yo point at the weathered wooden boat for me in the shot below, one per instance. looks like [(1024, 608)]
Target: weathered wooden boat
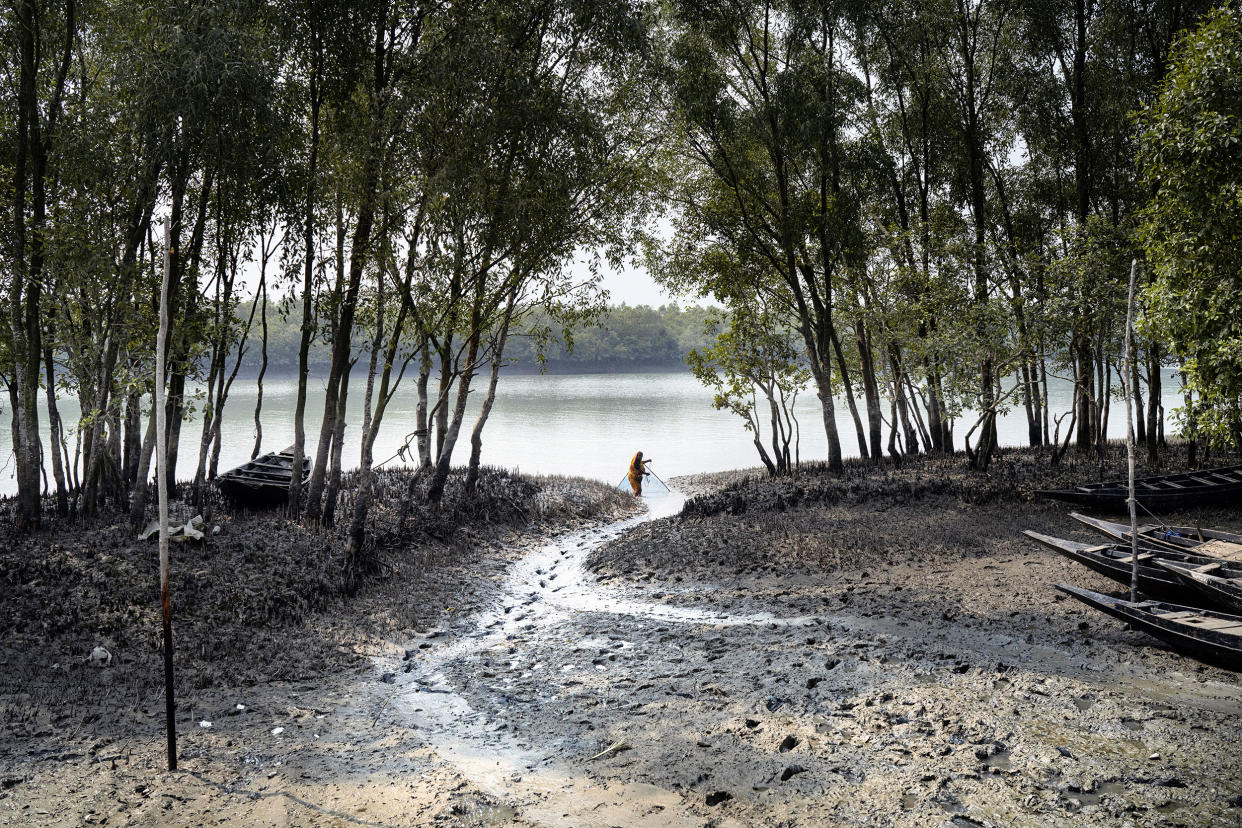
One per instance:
[(1212, 542), (1163, 492), (1220, 582), (264, 481), (1211, 636), (1113, 561)]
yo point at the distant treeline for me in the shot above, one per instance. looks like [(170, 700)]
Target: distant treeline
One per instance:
[(624, 338)]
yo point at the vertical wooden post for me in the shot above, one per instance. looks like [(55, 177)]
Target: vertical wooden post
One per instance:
[(161, 477), (1129, 394)]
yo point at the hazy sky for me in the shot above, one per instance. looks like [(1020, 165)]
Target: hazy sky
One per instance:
[(634, 286)]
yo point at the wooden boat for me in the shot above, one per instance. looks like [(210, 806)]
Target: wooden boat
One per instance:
[(1212, 542), (1113, 561), (264, 481), (1219, 582), (1211, 636), (1164, 492)]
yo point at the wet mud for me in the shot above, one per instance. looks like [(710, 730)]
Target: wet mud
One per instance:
[(901, 661)]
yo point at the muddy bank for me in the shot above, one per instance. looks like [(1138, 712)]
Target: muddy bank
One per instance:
[(865, 658), (943, 682), (260, 608)]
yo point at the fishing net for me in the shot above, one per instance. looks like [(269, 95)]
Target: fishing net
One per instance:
[(650, 484)]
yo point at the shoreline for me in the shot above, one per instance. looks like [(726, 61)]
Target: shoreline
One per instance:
[(931, 678)]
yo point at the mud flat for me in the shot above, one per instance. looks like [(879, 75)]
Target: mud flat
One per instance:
[(875, 649), (943, 682)]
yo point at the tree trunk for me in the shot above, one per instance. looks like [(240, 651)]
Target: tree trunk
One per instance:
[(849, 396), (422, 433), (308, 287), (258, 400), (133, 438), (441, 414), (1154, 400), (370, 428), (53, 417), (338, 448), (435, 492), (138, 499), (871, 391), (1084, 393), (476, 434), (209, 415)]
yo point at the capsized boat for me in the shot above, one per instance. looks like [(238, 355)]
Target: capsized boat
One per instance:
[(1114, 561), (264, 481), (1215, 543), (1211, 636), (1205, 487)]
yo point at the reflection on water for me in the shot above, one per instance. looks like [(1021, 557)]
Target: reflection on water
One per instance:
[(583, 424)]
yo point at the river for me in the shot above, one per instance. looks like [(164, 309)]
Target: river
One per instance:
[(577, 424)]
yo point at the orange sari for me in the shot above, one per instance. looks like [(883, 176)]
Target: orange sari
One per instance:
[(636, 473)]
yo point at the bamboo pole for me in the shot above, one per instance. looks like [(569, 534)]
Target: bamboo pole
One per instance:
[(1129, 380), (161, 456)]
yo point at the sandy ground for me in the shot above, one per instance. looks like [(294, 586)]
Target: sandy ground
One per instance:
[(874, 659)]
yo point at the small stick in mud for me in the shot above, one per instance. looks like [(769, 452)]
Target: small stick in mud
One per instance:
[(380, 712), (615, 747)]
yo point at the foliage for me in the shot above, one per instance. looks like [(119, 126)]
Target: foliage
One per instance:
[(752, 365), (1191, 158)]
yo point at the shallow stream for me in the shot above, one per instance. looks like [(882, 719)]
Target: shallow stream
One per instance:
[(544, 594)]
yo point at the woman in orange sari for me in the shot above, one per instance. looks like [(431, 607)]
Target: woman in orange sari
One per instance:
[(636, 474)]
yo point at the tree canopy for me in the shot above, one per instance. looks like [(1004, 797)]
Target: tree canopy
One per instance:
[(927, 206), (1190, 154)]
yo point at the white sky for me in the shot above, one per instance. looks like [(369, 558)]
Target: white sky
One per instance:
[(634, 286)]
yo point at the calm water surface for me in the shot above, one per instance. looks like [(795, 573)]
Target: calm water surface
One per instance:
[(585, 424)]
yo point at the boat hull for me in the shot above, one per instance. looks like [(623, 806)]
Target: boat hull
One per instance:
[(1213, 543), (1222, 586), (1209, 487), (1210, 636), (1113, 562), (263, 482)]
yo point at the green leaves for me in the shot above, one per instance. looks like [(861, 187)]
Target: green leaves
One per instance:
[(1190, 155)]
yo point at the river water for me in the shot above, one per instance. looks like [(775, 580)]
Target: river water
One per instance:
[(578, 424)]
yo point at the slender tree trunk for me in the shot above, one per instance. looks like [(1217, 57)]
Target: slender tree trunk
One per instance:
[(892, 431), (1154, 399), (441, 413), (476, 434), (871, 392), (1043, 391), (422, 433), (847, 387), (159, 412), (341, 361), (53, 417), (181, 348), (133, 437), (362, 497), (1084, 393), (823, 389), (209, 415), (308, 286), (338, 447), (258, 400), (138, 499), (435, 492)]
